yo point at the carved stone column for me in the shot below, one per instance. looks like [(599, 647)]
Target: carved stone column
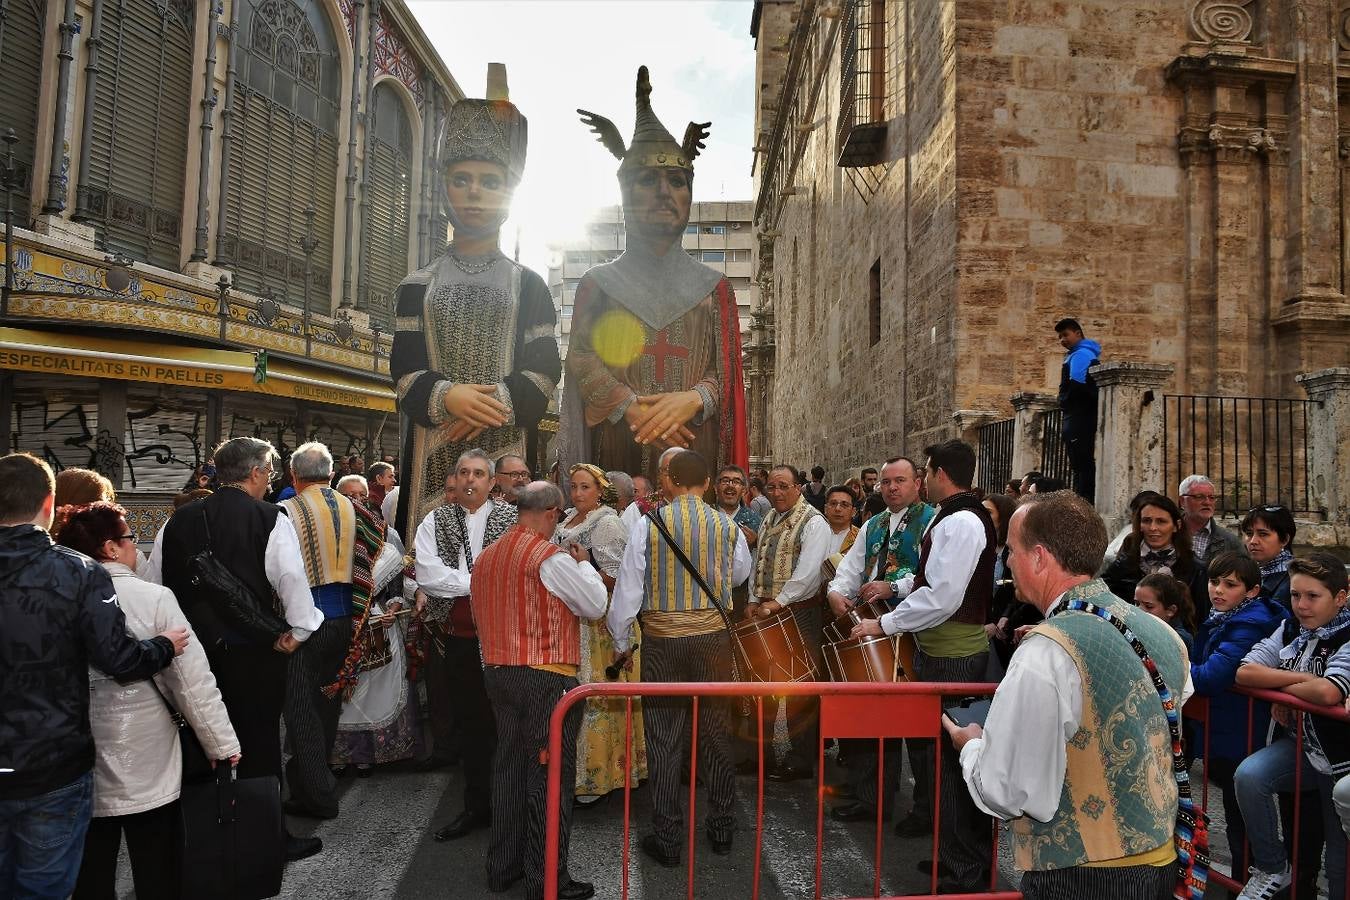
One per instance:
[(1029, 412), (1329, 442), (1129, 434)]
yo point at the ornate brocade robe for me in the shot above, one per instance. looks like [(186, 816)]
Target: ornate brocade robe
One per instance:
[(619, 350), (490, 327)]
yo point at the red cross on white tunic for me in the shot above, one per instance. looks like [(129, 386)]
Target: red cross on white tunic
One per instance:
[(659, 349)]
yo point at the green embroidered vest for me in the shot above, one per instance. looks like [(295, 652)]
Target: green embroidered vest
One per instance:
[(1120, 796), (902, 551)]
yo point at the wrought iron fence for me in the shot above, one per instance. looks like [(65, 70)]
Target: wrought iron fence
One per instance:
[(1254, 449), (1054, 452), (996, 452)]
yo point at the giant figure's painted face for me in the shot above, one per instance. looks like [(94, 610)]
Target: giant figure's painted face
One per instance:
[(479, 193), (656, 201)]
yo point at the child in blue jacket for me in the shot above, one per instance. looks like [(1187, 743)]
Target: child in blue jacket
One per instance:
[(1240, 617)]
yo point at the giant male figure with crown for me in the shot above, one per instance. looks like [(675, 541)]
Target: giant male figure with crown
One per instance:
[(655, 353)]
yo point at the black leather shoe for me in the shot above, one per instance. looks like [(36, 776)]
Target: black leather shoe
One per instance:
[(857, 812), (925, 868), (364, 771), (912, 826), (788, 773), (462, 824), (301, 811), (301, 847), (651, 846), (721, 847), (576, 890), (841, 791)]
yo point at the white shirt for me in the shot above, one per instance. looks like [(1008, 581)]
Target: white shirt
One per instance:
[(630, 514), (390, 504), (628, 586), (1017, 768), (805, 580), (448, 578), (957, 542), (836, 541), (850, 575), (285, 571), (576, 584)]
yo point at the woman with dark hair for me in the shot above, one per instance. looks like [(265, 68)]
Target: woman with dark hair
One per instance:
[(1269, 533), (1006, 612), (138, 769), (1158, 543)]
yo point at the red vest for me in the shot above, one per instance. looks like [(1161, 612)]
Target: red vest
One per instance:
[(519, 622)]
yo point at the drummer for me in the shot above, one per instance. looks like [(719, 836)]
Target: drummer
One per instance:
[(887, 549), (793, 541), (944, 605)]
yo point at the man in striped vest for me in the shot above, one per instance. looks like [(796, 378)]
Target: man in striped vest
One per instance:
[(527, 596), (332, 533), (686, 640), (792, 542)]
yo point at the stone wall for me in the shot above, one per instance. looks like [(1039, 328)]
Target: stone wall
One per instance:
[(1174, 179)]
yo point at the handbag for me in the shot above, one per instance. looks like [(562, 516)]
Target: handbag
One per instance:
[(234, 840), (196, 764), (1191, 832), (226, 604)]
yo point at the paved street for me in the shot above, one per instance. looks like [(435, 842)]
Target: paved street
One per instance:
[(381, 847)]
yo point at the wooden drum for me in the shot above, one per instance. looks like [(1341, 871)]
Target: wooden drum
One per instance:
[(870, 658), (840, 628), (772, 649)]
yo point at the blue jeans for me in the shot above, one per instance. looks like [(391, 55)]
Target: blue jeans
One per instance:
[(1259, 778), (42, 841)]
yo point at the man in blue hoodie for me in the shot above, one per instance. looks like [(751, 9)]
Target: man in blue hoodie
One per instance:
[(1078, 400)]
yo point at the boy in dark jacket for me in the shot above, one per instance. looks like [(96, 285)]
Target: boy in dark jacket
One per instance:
[(1078, 401), (58, 616), (1239, 619)]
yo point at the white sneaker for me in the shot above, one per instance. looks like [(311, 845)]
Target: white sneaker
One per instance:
[(1264, 885)]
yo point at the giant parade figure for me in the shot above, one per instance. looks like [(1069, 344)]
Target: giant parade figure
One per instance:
[(475, 361), (655, 353)]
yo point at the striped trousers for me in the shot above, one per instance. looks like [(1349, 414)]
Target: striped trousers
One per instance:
[(1077, 882), (702, 657), (965, 849), (522, 702), (311, 718)]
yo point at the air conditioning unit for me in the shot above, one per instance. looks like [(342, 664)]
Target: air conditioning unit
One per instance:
[(736, 226)]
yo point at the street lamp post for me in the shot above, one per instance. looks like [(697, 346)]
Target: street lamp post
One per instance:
[(10, 139), (307, 244), (223, 304)]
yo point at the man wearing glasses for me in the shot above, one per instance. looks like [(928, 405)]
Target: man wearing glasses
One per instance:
[(512, 475), (1208, 538)]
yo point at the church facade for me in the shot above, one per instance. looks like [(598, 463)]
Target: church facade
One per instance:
[(938, 183), (213, 203)]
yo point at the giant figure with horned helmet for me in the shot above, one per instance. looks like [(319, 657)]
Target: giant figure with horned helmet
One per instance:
[(655, 358)]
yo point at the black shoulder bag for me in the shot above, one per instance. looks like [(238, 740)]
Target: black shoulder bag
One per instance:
[(225, 603), (196, 764)]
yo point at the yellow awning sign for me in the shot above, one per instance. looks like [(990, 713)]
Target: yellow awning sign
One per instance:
[(27, 350)]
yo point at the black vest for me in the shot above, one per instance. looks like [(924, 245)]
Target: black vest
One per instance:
[(240, 527), (1332, 735), (974, 606)]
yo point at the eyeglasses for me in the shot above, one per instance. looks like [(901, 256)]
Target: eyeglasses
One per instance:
[(127, 537), (271, 473), (735, 481), (516, 476), (1203, 498)]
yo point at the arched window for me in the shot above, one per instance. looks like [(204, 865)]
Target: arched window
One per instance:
[(132, 185), (388, 201), (284, 153), (21, 62)]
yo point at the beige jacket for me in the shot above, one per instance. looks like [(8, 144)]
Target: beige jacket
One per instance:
[(138, 761)]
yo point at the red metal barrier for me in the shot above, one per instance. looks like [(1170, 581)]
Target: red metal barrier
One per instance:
[(847, 710), (1197, 710)]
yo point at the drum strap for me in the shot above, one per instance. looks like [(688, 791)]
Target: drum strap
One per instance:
[(655, 517)]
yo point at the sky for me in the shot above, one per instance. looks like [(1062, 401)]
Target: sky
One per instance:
[(561, 55)]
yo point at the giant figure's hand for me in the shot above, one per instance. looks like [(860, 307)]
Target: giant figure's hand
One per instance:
[(661, 416), (475, 404), (461, 431)]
